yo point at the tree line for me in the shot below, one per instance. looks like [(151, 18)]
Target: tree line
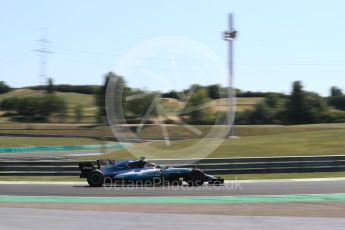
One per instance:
[(298, 107), (84, 89), (36, 108), (135, 110)]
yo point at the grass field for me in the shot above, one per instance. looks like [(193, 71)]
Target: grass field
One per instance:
[(325, 139), (155, 131), (20, 93), (44, 141), (259, 140), (283, 176), (267, 140)]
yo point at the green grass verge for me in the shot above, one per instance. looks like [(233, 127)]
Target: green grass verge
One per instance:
[(290, 144), (258, 140), (283, 141), (283, 176), (155, 131), (227, 177)]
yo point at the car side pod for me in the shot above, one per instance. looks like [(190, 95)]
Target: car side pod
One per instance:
[(216, 181)]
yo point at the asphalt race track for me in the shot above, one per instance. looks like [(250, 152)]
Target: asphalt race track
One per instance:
[(230, 188), (37, 219), (75, 205)]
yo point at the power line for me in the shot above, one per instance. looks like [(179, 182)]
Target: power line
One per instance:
[(43, 51)]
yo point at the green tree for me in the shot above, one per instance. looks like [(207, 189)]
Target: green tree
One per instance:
[(198, 105), (304, 107), (268, 111), (274, 100), (140, 105), (171, 94), (100, 96), (295, 108), (52, 104), (316, 107), (335, 91), (4, 88), (9, 104), (213, 91), (337, 102), (41, 107), (50, 86), (337, 98), (28, 107), (262, 114), (78, 113)]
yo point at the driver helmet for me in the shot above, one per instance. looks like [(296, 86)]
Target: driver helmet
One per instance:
[(150, 165)]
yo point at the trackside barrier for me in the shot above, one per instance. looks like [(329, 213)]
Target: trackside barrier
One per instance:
[(255, 165)]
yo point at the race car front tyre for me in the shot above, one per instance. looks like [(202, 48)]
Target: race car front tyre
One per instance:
[(95, 178), (195, 178)]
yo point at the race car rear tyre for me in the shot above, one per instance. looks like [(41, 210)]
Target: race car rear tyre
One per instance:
[(195, 178), (95, 178)]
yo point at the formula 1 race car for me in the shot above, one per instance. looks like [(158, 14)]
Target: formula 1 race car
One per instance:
[(124, 171)]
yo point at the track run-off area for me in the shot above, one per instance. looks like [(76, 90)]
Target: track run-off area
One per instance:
[(231, 191), (263, 204)]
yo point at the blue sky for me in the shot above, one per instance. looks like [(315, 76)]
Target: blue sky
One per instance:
[(279, 41)]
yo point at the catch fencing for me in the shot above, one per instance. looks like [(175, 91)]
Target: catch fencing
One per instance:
[(217, 166)]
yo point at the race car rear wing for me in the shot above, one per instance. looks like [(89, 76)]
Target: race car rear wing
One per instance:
[(86, 167)]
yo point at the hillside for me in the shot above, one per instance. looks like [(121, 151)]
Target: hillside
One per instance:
[(72, 99), (90, 109), (242, 103)]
